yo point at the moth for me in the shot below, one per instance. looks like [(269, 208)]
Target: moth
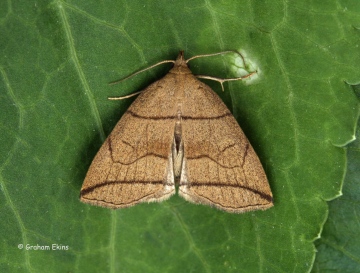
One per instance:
[(178, 135)]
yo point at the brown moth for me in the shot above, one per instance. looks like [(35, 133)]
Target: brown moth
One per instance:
[(178, 132)]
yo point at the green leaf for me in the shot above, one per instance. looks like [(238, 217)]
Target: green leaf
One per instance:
[(338, 246), (56, 60)]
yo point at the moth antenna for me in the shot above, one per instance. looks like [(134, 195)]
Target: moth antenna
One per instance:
[(221, 81), (132, 75), (215, 54), (125, 97), (142, 70)]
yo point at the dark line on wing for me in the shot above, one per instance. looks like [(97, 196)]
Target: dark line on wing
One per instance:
[(219, 184), (206, 156), (212, 203), (127, 143), (119, 204), (245, 154), (227, 147), (173, 117), (90, 189), (110, 148), (138, 158)]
